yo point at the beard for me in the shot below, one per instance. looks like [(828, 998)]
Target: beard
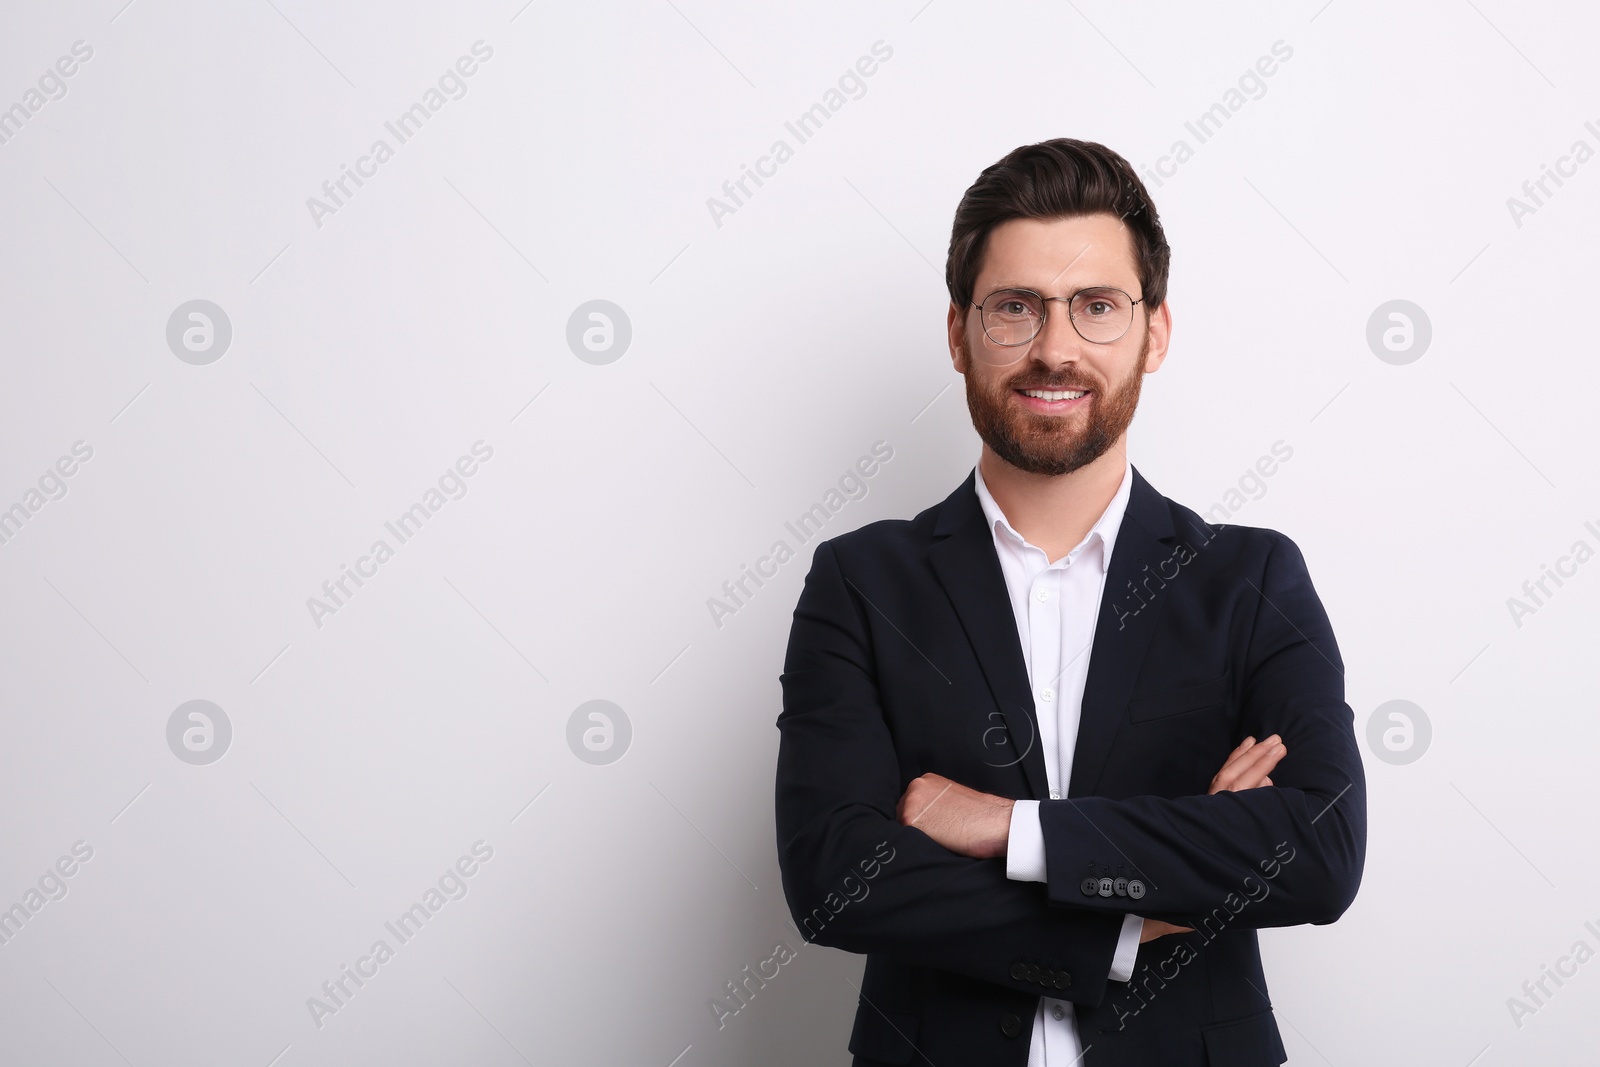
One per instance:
[(1052, 444)]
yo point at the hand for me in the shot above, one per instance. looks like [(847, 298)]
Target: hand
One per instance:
[(1248, 765), (1154, 928), (963, 820)]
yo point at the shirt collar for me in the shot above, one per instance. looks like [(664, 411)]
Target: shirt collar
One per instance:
[(1105, 528)]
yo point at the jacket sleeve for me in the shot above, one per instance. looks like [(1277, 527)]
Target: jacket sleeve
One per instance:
[(854, 877), (1280, 855)]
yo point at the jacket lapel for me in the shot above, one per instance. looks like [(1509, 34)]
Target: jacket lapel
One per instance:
[(1130, 604), (963, 556)]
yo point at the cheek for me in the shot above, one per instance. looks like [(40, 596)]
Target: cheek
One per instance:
[(981, 377), (1124, 371)]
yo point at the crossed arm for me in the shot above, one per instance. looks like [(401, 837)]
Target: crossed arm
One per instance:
[(970, 823), (943, 900)]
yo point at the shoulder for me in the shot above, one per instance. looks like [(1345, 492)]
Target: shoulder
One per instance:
[(1231, 546), (881, 541)]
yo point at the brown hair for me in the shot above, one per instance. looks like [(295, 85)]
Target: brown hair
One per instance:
[(1055, 179)]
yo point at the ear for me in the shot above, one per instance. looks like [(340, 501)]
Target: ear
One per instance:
[(956, 327), (1160, 337)]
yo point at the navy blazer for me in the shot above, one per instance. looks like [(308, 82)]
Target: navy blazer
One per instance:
[(904, 658)]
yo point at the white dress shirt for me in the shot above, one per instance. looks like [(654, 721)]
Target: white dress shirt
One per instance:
[(1056, 606)]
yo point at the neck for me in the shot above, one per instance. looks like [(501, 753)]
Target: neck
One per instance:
[(1055, 511)]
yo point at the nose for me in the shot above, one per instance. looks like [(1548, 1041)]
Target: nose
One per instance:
[(1057, 342)]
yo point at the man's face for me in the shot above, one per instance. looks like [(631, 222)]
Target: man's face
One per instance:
[(1056, 258)]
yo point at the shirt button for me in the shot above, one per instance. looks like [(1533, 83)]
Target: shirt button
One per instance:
[(1042, 595), (1047, 694), (1059, 1012), (1055, 794)]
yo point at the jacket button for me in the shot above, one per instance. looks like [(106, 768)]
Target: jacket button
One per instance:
[(1136, 889), (1063, 979), (1090, 886), (1010, 1025), (1019, 971)]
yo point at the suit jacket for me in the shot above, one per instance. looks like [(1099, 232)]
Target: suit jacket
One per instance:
[(904, 658)]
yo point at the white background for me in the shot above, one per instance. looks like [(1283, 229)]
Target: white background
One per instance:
[(767, 354)]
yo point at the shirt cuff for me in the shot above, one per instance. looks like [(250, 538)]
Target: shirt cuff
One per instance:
[(1127, 948), (1025, 843)]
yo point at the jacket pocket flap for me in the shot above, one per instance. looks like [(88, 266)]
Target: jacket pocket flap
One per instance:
[(1177, 701), (889, 1036), (1249, 1042)]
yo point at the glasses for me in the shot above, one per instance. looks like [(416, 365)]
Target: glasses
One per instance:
[(1013, 317)]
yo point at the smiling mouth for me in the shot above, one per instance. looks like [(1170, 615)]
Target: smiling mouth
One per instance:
[(1054, 394)]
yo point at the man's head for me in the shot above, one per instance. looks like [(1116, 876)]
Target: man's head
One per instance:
[(1056, 218)]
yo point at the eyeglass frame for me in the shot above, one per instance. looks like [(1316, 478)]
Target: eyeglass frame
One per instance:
[(1044, 313)]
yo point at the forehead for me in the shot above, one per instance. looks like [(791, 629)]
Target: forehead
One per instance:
[(1059, 253)]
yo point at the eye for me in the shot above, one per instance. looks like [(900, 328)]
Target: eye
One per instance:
[(1100, 304), (1013, 304)]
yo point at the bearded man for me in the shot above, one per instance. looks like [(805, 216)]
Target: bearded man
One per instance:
[(1061, 746)]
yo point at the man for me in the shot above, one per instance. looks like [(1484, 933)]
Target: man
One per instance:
[(1053, 750)]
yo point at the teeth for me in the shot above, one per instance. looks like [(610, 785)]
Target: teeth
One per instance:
[(1054, 394)]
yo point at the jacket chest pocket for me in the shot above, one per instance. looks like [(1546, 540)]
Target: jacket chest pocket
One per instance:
[(1199, 696)]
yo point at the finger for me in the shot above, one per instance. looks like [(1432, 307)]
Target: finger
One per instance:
[(1256, 776), (1259, 749), (1240, 764), (1248, 770), (1262, 758), (1246, 747), (1255, 765), (1266, 781), (1233, 757)]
